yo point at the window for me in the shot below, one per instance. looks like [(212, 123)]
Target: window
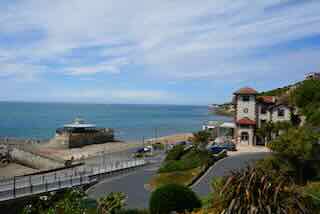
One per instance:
[(263, 122), (280, 112), (245, 98), (244, 136), (245, 110), (263, 110)]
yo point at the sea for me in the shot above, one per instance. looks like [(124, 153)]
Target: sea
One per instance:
[(130, 122)]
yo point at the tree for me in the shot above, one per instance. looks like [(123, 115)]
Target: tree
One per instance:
[(112, 203), (300, 147), (307, 99), (200, 139), (173, 197)]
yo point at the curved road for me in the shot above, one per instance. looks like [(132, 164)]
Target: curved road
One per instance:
[(223, 168), (133, 183)]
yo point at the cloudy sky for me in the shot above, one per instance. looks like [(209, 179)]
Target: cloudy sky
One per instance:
[(153, 51)]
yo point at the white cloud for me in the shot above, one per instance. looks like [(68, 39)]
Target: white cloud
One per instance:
[(183, 39), (112, 95), (112, 67)]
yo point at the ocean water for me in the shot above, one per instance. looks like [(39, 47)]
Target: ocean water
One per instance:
[(130, 122)]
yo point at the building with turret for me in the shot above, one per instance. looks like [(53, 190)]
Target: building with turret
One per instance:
[(253, 111)]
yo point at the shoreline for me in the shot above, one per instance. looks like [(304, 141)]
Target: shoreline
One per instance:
[(79, 154)]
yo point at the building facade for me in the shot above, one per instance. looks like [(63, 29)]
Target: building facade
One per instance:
[(253, 111)]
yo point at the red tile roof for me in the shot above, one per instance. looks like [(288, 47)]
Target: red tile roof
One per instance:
[(267, 99), (246, 90), (246, 121)]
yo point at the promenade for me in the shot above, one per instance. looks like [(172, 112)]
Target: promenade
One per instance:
[(23, 186)]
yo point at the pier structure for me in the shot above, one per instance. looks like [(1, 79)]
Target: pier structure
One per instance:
[(79, 134)]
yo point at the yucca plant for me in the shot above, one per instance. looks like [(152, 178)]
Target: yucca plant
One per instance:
[(253, 191)]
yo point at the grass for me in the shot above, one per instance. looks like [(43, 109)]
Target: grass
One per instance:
[(177, 177), (187, 161), (183, 167)]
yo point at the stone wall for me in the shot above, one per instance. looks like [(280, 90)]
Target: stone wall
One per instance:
[(33, 160), (75, 140)]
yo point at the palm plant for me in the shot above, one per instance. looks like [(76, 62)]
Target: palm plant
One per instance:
[(254, 191), (200, 139)]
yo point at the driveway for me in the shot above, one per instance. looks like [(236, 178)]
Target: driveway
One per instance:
[(132, 184)]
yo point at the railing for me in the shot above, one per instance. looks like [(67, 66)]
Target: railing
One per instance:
[(17, 187)]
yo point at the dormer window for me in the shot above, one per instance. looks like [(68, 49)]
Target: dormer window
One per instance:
[(245, 98), (280, 112)]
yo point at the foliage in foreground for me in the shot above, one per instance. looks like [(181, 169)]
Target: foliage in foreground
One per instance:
[(300, 148), (173, 197), (71, 202), (312, 190), (254, 191), (112, 203)]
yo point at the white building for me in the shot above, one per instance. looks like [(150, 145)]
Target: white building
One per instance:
[(252, 111)]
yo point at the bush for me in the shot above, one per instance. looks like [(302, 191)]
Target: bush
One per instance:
[(301, 149), (173, 197), (192, 159), (175, 153), (112, 203)]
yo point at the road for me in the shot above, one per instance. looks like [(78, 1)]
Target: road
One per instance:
[(223, 168), (132, 184)]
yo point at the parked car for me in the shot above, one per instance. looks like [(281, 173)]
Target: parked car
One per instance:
[(228, 146), (216, 149), (144, 149)]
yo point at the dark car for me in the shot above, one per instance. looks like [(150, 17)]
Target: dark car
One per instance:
[(140, 150), (228, 146), (216, 149)]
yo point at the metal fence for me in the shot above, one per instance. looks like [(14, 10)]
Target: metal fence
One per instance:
[(17, 187)]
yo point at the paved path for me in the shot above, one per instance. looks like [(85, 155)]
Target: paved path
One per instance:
[(223, 168), (138, 197), (131, 183)]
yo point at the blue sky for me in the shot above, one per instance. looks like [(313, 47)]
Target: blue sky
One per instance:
[(157, 52)]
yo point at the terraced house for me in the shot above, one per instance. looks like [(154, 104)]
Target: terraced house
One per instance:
[(252, 111)]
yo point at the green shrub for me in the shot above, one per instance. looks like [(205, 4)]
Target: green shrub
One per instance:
[(192, 159), (112, 203), (133, 211), (173, 197), (301, 149), (175, 153), (158, 146), (276, 166)]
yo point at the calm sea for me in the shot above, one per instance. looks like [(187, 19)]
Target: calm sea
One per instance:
[(130, 122)]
